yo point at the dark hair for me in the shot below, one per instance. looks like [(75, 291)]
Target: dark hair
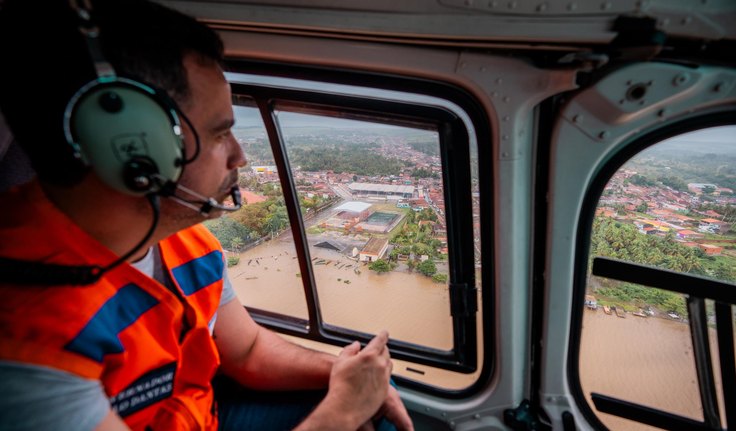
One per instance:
[(41, 72)]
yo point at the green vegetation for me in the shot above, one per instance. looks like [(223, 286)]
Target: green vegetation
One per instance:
[(231, 234), (713, 163), (232, 261), (440, 278), (430, 148), (380, 266), (263, 218), (623, 241), (427, 268), (357, 160), (642, 296), (416, 238), (424, 173)]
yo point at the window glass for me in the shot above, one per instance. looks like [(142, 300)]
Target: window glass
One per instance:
[(671, 206), (386, 266), (262, 261), (372, 202)]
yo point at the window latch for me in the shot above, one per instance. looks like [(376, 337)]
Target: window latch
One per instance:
[(463, 300)]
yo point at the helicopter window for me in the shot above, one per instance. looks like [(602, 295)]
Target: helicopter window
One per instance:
[(354, 224), (657, 327)]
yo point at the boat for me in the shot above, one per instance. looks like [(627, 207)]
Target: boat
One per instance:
[(640, 313)]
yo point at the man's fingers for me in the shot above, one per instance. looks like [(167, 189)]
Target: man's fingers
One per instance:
[(378, 343), (351, 349)]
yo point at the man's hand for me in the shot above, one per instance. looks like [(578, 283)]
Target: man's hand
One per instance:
[(359, 391), (360, 378)]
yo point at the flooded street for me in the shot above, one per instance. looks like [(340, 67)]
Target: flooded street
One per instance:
[(409, 305)]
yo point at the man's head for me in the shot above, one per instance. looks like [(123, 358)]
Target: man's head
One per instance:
[(142, 41)]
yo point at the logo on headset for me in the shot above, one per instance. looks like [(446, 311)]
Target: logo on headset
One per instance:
[(129, 145)]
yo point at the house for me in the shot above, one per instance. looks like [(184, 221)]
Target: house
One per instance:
[(711, 250), (712, 225), (688, 234), (353, 210), (373, 250)]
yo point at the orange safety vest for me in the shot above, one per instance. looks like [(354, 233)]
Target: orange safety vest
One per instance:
[(151, 348)]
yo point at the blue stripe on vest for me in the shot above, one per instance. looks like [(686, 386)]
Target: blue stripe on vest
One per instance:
[(200, 272), (100, 335)]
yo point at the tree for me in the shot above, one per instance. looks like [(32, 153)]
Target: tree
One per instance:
[(427, 268), (643, 207), (227, 230), (380, 266)]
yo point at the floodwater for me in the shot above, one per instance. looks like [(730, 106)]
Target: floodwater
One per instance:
[(409, 305), (643, 360), (647, 361)]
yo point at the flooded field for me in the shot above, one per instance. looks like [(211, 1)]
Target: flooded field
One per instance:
[(410, 306), (648, 361)]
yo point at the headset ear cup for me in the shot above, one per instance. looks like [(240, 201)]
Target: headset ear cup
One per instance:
[(128, 133), (139, 174)]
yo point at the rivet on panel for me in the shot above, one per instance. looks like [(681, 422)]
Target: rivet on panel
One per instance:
[(504, 154), (606, 5), (463, 65), (664, 22), (483, 69), (452, 424), (622, 101), (687, 20), (642, 102), (492, 4), (476, 416), (572, 6), (512, 5), (468, 2), (506, 118), (662, 112), (542, 7), (505, 137), (604, 134), (499, 80), (680, 79), (718, 88), (629, 82), (577, 119), (494, 94), (506, 99)]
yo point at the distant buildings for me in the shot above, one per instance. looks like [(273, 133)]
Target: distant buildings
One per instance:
[(264, 169), (353, 210), (383, 190)]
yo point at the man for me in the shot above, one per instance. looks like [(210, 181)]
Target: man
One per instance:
[(135, 342)]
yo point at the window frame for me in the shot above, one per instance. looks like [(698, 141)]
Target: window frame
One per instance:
[(458, 199), (603, 266)]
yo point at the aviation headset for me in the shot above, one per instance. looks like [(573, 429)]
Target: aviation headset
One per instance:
[(128, 132)]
